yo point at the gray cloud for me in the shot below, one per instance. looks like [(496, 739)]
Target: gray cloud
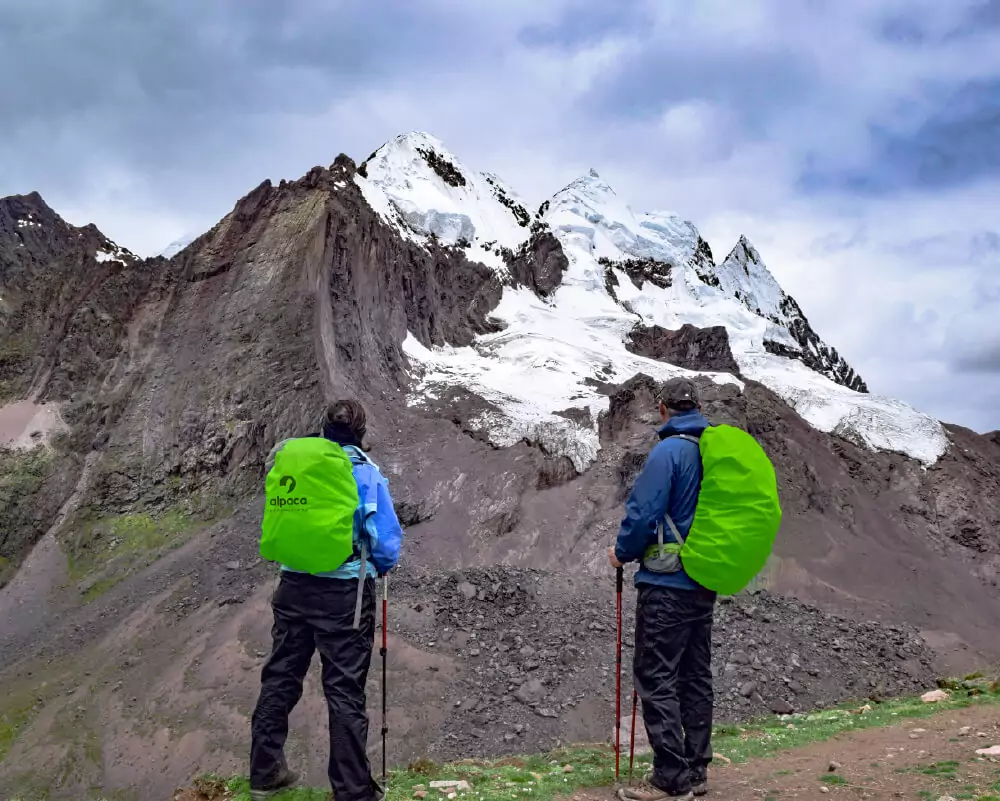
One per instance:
[(986, 360), (984, 16), (976, 248), (171, 90), (956, 144), (584, 22), (751, 82)]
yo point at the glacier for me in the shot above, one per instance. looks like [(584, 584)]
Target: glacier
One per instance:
[(552, 351)]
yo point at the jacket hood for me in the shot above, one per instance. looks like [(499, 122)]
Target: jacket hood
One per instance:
[(693, 422)]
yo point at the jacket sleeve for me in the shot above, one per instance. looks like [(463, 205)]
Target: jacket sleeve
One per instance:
[(647, 504), (382, 525)]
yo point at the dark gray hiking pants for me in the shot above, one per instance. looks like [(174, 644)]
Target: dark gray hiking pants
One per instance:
[(673, 676), (316, 614)]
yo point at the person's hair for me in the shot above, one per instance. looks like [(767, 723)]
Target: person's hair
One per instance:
[(346, 414)]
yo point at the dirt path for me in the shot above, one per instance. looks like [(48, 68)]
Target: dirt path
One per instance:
[(930, 759)]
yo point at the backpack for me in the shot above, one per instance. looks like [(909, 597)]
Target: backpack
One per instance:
[(737, 514), (311, 500)]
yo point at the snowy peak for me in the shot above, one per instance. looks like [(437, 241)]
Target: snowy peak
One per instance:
[(178, 245), (425, 191), (744, 276), (591, 213)]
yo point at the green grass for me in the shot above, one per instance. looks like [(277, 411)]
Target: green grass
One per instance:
[(962, 781), (542, 777), (13, 719), (106, 548), (22, 474)]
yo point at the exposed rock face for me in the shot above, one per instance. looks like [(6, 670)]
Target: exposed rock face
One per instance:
[(657, 273), (688, 347), (814, 354), (183, 373), (540, 264), (66, 297)]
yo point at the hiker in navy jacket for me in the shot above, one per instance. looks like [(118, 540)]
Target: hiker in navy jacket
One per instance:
[(673, 630), (316, 613)]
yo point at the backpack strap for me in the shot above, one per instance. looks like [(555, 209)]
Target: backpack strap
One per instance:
[(673, 530), (668, 519), (361, 582), (357, 456)]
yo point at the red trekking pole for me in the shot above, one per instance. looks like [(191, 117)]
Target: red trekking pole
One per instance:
[(618, 677)]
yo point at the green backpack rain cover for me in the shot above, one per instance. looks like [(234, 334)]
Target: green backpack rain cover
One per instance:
[(311, 498), (737, 515)]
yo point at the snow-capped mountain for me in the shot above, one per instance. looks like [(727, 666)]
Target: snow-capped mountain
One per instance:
[(415, 182), (178, 245), (623, 269)]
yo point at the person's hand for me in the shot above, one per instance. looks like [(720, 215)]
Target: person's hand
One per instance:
[(612, 558)]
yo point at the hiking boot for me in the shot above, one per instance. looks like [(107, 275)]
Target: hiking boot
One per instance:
[(286, 778), (650, 792)]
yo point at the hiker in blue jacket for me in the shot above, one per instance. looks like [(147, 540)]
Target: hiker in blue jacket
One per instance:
[(316, 613), (673, 630)]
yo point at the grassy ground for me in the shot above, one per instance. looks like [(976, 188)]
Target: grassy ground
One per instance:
[(559, 773), (106, 548), (21, 475)]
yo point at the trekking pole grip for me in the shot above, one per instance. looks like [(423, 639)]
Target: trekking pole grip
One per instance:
[(618, 578)]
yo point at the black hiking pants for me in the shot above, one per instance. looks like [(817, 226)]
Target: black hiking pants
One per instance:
[(673, 676), (312, 613)]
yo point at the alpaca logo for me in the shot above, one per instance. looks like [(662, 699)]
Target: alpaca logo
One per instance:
[(283, 502)]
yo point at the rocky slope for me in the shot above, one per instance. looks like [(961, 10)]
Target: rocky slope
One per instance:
[(508, 373)]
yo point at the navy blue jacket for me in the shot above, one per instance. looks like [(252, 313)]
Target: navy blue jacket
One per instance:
[(668, 484)]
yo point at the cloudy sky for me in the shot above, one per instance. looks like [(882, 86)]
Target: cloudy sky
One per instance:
[(855, 142)]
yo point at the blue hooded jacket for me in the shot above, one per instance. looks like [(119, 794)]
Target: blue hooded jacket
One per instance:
[(668, 484)]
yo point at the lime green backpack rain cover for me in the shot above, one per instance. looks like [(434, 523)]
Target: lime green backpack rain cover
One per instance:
[(311, 498), (738, 512)]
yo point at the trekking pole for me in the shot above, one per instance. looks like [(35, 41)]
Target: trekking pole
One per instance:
[(631, 743), (385, 679), (618, 677)]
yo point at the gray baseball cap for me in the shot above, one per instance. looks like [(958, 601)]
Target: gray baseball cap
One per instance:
[(677, 391)]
